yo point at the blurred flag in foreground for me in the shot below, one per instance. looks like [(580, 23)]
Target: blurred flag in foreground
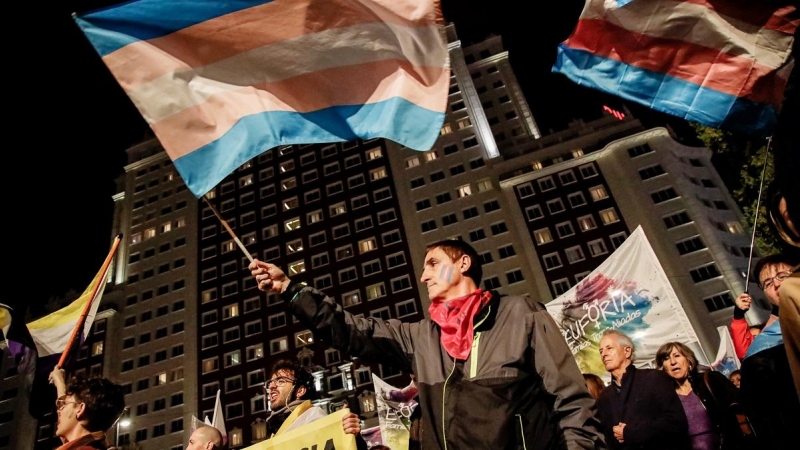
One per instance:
[(220, 82), (58, 335), (722, 64), (726, 360)]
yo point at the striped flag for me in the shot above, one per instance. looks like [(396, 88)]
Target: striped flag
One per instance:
[(220, 82), (722, 64), (57, 335)]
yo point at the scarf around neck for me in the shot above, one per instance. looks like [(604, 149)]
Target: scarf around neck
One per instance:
[(454, 317)]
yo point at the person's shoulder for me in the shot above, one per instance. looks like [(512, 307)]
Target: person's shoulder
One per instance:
[(520, 303)]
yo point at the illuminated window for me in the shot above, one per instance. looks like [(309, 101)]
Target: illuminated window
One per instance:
[(303, 338), (543, 236)]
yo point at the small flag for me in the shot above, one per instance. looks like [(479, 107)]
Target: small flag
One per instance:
[(218, 421), (220, 82), (721, 64), (726, 360)]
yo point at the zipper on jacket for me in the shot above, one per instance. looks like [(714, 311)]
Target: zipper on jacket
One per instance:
[(473, 361), (444, 409), (521, 431)]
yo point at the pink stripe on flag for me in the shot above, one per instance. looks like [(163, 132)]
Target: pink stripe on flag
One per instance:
[(735, 75), (202, 124), (237, 33)]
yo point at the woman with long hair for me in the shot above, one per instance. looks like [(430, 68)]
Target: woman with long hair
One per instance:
[(710, 400)]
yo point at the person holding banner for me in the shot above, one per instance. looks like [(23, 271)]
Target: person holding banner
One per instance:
[(85, 409), (639, 409), (290, 390), (493, 372)]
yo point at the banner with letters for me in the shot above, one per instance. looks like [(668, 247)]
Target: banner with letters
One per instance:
[(323, 434), (629, 292)]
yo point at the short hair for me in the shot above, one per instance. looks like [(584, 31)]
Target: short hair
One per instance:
[(622, 339), (735, 372), (772, 260), (455, 248), (302, 376), (211, 433), (104, 400), (663, 352)]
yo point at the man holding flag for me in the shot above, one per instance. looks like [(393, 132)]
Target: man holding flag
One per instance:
[(86, 408)]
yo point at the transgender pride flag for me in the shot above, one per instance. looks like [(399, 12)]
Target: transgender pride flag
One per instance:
[(220, 82), (719, 63)]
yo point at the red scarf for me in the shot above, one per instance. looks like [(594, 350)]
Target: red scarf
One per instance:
[(455, 317)]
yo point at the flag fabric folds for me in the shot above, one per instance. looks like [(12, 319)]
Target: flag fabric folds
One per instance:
[(58, 335), (56, 332), (220, 82), (722, 64)]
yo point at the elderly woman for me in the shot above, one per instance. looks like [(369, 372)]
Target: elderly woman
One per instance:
[(709, 399)]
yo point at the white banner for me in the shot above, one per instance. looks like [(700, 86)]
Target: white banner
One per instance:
[(630, 292)]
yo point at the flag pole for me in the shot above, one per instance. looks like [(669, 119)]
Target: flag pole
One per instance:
[(82, 320), (755, 218), (230, 231)]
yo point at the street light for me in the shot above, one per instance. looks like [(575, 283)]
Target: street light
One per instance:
[(123, 422)]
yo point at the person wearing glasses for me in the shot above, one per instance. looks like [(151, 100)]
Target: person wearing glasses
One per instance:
[(767, 387), (85, 409), (290, 391)]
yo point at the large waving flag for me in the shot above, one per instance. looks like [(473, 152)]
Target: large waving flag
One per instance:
[(723, 64), (57, 335), (220, 82)]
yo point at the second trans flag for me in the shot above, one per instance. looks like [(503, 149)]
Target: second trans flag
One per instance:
[(723, 64), (220, 82)]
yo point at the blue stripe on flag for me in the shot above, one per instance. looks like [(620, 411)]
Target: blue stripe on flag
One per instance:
[(205, 167), (116, 26), (665, 93)]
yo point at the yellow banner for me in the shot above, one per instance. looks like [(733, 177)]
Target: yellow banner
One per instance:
[(322, 434)]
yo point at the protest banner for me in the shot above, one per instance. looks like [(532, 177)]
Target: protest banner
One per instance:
[(323, 434), (395, 406), (629, 292)]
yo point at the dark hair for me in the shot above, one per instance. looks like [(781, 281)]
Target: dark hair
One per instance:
[(455, 248), (735, 372), (663, 352), (302, 377), (772, 260), (103, 398)]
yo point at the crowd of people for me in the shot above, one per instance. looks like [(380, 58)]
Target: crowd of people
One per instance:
[(482, 386)]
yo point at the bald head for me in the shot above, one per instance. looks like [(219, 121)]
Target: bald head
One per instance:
[(205, 438)]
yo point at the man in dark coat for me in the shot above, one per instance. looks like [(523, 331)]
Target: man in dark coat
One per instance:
[(639, 409)]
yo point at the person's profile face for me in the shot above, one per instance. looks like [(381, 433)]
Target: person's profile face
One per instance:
[(736, 379), (612, 354), (441, 276)]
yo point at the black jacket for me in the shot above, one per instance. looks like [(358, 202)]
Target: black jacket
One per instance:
[(650, 408), (519, 388)]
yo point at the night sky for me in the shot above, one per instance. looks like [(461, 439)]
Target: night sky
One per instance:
[(67, 143)]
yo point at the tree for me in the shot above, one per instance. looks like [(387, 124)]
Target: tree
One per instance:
[(740, 163)]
